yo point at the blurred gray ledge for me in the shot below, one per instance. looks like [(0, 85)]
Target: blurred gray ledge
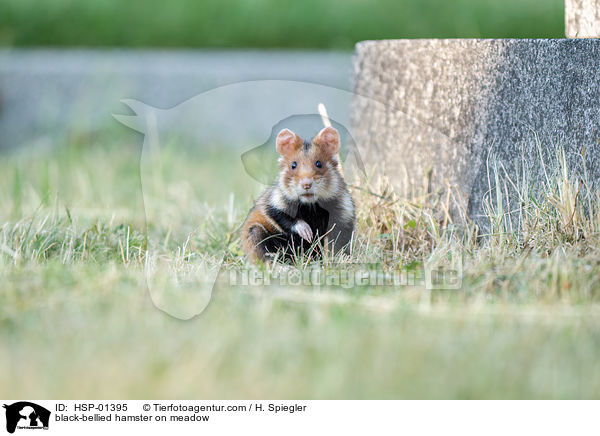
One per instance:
[(476, 98), (49, 96)]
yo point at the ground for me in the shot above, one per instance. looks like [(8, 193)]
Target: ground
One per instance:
[(77, 320)]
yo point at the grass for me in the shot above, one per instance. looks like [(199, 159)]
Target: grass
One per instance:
[(75, 310), (269, 24)]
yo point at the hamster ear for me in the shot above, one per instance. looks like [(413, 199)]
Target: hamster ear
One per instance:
[(328, 139), (287, 142)]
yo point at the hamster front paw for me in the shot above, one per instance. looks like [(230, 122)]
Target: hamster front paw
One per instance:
[(303, 229)]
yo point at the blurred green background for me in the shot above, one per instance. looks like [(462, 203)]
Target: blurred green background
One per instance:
[(268, 23)]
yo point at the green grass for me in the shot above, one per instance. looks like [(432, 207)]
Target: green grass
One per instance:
[(76, 312), (269, 23)]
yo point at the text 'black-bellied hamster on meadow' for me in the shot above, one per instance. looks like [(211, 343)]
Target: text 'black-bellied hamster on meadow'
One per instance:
[(309, 202)]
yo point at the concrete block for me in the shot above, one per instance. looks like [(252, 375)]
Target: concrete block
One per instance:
[(450, 104)]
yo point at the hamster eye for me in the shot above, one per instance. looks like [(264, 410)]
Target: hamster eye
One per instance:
[(318, 164), (294, 165)]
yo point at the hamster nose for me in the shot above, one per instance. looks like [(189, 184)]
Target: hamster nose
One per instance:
[(306, 184)]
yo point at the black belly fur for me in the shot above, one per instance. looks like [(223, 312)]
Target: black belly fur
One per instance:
[(314, 215)]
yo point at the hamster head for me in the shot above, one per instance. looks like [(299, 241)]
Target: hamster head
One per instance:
[(309, 171)]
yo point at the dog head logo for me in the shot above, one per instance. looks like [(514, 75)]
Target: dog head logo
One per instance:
[(26, 415)]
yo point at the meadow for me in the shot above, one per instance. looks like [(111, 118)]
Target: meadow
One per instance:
[(77, 320), (335, 24)]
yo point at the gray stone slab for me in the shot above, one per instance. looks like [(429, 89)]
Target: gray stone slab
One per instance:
[(582, 18), (518, 101)]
